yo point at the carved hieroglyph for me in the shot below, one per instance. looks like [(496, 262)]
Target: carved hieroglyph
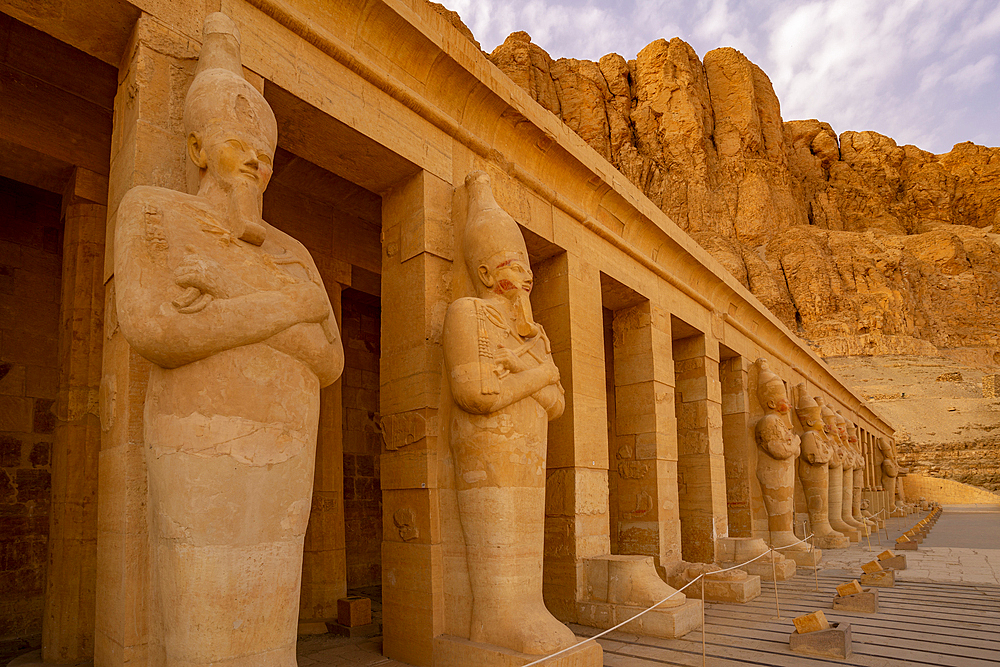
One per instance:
[(813, 467), (506, 389), (777, 451), (238, 325)]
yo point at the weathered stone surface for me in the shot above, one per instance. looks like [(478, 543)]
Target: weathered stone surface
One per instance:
[(864, 601), (833, 642), (861, 245)]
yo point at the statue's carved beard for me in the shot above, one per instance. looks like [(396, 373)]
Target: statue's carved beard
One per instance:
[(245, 214), (524, 323)]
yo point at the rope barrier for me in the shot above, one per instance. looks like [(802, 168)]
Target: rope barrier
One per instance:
[(649, 609)]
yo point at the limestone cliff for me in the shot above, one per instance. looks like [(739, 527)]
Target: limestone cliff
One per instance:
[(859, 245)]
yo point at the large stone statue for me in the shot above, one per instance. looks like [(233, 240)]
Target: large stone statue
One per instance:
[(778, 449), (506, 389), (813, 466), (847, 487), (890, 473), (837, 455), (859, 476), (239, 328)]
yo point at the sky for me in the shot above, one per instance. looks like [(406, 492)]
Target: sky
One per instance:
[(924, 72)]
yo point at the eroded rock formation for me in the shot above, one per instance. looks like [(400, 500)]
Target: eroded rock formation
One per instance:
[(858, 244)]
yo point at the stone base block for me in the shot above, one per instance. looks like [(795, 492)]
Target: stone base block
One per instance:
[(804, 558), (865, 602), (34, 659), (883, 579), (898, 514), (369, 630), (831, 542), (834, 642), (669, 623), (312, 628), (783, 569), (906, 546), (897, 562), (457, 652), (727, 591)]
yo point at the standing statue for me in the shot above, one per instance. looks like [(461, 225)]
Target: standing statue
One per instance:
[(859, 476), (506, 389), (837, 455), (238, 326), (890, 471), (814, 459), (850, 463), (778, 448)]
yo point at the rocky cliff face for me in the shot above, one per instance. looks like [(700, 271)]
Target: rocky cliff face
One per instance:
[(859, 245)]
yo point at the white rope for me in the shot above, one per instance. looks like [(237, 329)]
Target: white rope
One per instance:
[(644, 611)]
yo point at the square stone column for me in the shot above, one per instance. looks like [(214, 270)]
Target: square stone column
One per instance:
[(738, 445), (416, 291), (324, 560), (566, 301), (643, 454), (68, 621), (148, 148), (701, 468)]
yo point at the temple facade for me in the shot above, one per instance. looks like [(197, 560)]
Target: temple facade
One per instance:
[(383, 110)]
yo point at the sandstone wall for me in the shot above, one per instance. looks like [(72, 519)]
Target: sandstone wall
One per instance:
[(947, 491), (30, 265), (858, 244)]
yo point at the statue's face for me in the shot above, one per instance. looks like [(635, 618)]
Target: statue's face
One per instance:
[(511, 278), (780, 405), (233, 157)]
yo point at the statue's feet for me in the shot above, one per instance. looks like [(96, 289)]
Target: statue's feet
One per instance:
[(786, 541), (524, 628)]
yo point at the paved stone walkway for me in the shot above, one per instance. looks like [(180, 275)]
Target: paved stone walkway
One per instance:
[(977, 562)]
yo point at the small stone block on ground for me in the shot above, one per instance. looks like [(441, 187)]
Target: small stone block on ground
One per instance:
[(906, 546), (870, 567), (883, 579), (369, 630), (850, 588), (865, 602), (354, 611), (452, 651), (897, 562), (834, 642), (813, 622)]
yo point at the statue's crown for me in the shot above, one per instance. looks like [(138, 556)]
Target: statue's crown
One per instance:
[(491, 235)]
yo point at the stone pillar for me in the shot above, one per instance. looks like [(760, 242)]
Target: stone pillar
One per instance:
[(566, 300), (68, 621), (738, 445), (324, 560), (148, 148), (644, 463), (701, 470), (416, 289)]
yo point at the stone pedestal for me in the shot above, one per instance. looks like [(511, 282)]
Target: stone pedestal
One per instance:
[(834, 642), (865, 602), (804, 558), (831, 542), (669, 623), (895, 562), (783, 568), (906, 546), (456, 652), (740, 591), (620, 587)]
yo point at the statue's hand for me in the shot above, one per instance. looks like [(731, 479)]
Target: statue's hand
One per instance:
[(551, 370), (510, 361), (310, 300), (207, 276)]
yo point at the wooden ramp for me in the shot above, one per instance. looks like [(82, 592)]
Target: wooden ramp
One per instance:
[(919, 623)]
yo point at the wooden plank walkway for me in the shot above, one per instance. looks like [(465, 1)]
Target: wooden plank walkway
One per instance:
[(919, 623)]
